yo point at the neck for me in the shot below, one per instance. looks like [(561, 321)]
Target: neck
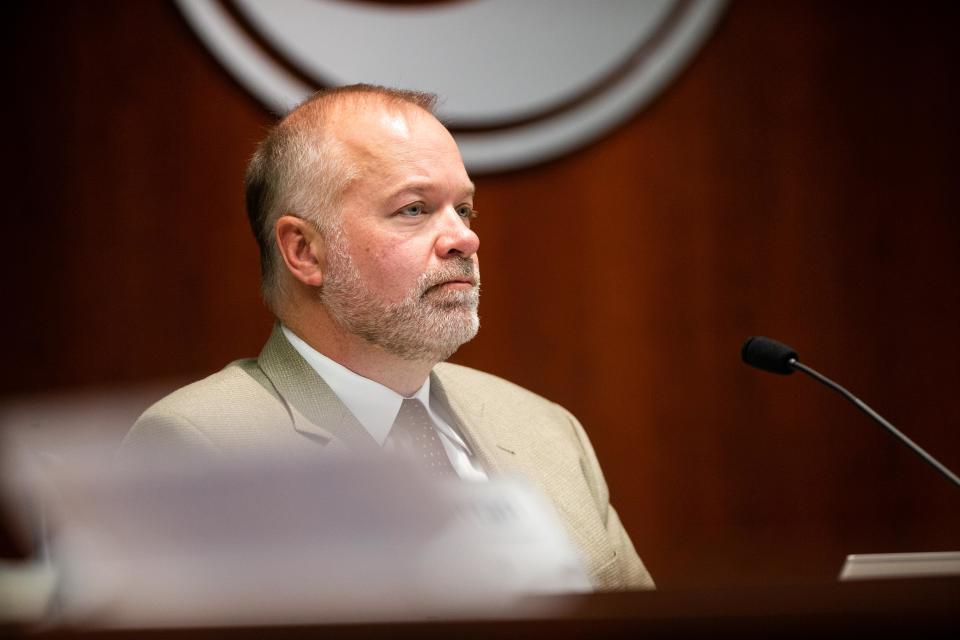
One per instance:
[(315, 327)]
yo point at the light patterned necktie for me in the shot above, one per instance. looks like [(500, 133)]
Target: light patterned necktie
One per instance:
[(413, 431)]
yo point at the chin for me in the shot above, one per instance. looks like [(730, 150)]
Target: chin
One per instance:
[(443, 343)]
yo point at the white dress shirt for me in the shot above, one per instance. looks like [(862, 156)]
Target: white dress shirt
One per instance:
[(376, 406)]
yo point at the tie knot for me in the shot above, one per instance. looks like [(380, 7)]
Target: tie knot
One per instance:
[(412, 407)]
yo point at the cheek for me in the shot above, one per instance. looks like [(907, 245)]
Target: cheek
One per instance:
[(390, 270)]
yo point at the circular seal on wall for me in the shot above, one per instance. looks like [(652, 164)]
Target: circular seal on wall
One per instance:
[(520, 82)]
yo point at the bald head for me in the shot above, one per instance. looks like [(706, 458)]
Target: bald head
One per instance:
[(311, 157)]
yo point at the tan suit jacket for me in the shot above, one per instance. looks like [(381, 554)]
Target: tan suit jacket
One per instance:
[(278, 399)]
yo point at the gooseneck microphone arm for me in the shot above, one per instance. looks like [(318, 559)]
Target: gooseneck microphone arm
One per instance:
[(776, 357), (860, 404)]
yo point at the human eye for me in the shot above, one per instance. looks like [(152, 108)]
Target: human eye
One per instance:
[(467, 212), (412, 210)]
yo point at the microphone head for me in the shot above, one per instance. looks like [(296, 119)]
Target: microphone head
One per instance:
[(769, 355)]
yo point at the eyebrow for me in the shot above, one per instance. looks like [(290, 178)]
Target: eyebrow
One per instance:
[(422, 187)]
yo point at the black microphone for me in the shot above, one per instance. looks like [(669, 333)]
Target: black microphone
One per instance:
[(776, 357), (769, 355)]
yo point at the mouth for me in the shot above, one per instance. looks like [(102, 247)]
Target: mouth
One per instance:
[(459, 283), (454, 284)]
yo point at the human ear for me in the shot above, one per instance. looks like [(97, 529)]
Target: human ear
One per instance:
[(301, 246)]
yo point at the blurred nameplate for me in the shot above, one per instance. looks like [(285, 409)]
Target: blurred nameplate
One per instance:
[(182, 542), (870, 566)]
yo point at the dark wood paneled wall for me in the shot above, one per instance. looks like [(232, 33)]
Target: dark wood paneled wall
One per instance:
[(798, 180)]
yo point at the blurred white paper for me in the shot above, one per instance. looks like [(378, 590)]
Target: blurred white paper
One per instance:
[(183, 542)]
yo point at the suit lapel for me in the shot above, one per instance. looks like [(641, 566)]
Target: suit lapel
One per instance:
[(504, 447), (315, 409), (318, 413), (481, 437)]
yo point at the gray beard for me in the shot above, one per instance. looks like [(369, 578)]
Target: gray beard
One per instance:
[(429, 324)]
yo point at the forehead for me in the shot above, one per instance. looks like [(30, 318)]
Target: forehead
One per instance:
[(396, 147)]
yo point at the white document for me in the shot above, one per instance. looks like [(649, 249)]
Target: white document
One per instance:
[(294, 540)]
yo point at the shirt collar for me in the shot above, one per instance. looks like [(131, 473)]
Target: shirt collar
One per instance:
[(372, 404)]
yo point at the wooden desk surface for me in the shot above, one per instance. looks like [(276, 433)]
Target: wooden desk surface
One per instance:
[(906, 608)]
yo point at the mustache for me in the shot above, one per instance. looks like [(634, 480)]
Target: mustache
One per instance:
[(458, 269)]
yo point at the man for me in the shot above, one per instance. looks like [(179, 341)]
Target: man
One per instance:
[(361, 207)]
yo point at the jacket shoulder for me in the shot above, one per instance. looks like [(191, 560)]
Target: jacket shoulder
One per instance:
[(233, 405), (212, 394), (465, 380)]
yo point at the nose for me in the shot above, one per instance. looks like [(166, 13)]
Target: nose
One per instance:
[(456, 238)]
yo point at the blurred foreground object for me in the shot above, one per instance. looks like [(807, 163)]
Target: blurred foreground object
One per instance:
[(167, 542), (866, 566)]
